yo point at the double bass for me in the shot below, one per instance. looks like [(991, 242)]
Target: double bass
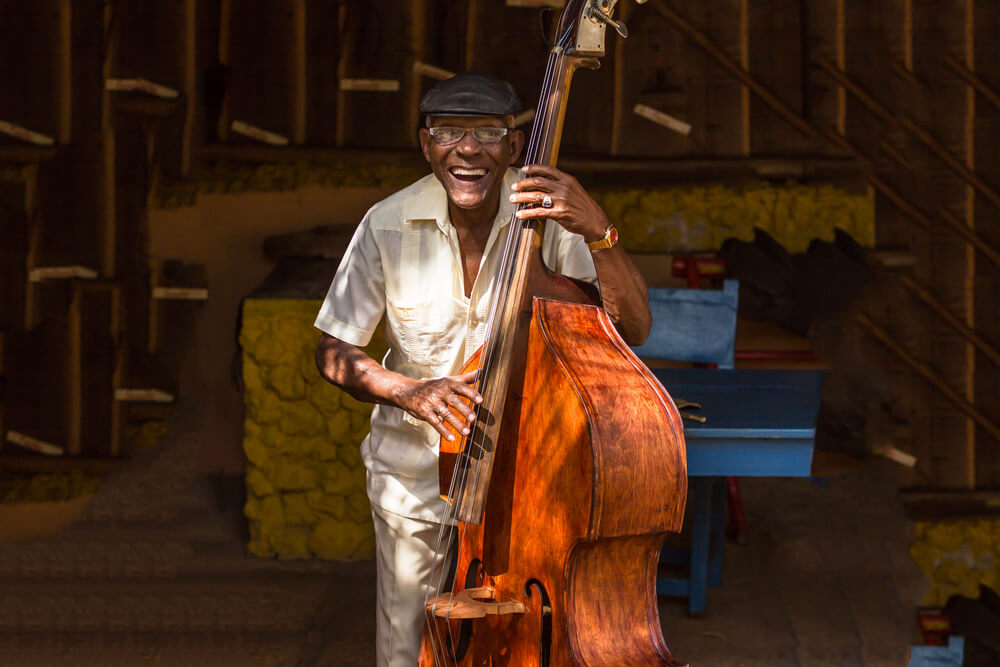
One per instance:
[(558, 500)]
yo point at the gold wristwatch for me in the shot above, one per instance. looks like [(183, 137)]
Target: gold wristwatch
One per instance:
[(609, 240)]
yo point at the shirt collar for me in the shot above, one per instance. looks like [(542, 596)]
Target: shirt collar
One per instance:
[(431, 202)]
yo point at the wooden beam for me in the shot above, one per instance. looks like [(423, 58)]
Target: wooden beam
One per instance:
[(952, 320), (973, 80), (907, 123), (970, 235), (769, 98), (34, 444), (24, 134), (930, 376)]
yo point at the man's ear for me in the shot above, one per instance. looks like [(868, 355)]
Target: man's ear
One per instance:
[(425, 143), (516, 144)]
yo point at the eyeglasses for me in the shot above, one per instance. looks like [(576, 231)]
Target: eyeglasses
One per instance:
[(484, 135)]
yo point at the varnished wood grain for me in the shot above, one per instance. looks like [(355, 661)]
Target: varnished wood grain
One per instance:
[(589, 475)]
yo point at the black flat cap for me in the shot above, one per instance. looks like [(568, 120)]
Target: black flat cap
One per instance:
[(471, 94)]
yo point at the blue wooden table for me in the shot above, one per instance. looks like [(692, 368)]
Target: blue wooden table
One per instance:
[(760, 423)]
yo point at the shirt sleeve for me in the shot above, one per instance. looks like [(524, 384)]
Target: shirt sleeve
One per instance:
[(573, 258), (355, 302)]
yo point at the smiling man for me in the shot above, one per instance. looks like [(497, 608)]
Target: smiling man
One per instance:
[(424, 259)]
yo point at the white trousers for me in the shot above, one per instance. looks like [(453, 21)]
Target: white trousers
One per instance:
[(405, 553)]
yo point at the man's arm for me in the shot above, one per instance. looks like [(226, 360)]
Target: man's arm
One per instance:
[(348, 367), (623, 290)]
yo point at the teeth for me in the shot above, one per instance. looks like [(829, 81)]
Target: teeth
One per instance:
[(459, 171)]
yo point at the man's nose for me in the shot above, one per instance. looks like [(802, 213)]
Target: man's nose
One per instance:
[(468, 143)]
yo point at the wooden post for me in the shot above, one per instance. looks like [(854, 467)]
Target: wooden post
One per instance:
[(618, 91), (418, 26), (109, 230), (65, 55), (841, 41), (74, 373), (190, 82), (970, 253), (471, 20), (299, 86), (225, 55), (346, 44)]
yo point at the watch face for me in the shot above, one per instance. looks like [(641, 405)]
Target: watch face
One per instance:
[(613, 235)]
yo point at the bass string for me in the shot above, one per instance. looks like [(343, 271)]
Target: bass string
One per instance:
[(446, 533), (554, 71), (493, 347)]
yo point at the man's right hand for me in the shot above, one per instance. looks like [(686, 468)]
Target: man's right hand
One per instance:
[(441, 402)]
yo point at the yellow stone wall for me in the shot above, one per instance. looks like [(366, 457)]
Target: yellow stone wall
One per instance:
[(957, 556), (700, 218), (305, 479)]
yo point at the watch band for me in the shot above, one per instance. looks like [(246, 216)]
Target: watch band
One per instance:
[(609, 240)]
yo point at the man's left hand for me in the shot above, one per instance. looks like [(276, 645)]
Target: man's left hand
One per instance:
[(571, 207)]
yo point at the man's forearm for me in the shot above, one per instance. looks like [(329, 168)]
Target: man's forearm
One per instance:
[(348, 367), (624, 292)]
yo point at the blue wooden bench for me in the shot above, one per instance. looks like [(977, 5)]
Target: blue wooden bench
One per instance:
[(758, 422)]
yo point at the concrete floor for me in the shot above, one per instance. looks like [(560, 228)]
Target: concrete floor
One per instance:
[(156, 575)]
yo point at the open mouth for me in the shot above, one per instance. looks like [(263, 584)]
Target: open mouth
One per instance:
[(467, 175)]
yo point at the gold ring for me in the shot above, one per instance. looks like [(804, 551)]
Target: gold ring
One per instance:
[(547, 201)]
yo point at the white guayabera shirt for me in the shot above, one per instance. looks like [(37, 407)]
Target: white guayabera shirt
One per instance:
[(404, 262)]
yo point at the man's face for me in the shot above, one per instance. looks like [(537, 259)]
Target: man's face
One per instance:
[(471, 172)]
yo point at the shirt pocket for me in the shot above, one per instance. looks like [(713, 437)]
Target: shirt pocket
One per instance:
[(425, 332)]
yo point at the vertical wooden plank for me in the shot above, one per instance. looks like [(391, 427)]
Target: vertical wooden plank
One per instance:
[(65, 72), (74, 374), (298, 66), (841, 45), (34, 242), (107, 195), (347, 42), (225, 61), (471, 31), (119, 357), (987, 279), (619, 107), (190, 82), (908, 34), (418, 39), (745, 64), (970, 220)]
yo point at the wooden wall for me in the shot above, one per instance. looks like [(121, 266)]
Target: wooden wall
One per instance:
[(905, 90)]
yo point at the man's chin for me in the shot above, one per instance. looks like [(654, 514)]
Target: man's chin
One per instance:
[(467, 200)]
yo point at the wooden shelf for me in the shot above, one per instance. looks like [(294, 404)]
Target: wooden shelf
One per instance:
[(144, 396), (26, 441), (180, 293)]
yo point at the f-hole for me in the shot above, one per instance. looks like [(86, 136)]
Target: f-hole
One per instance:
[(472, 577), (545, 643)]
